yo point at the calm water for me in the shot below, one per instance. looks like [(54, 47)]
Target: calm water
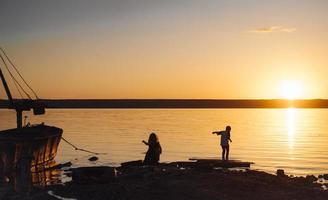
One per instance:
[(293, 139)]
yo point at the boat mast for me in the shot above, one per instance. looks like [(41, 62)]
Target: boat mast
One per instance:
[(19, 112), (24, 104), (5, 85)]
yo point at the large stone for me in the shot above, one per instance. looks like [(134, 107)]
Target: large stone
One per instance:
[(325, 176), (311, 178), (281, 173), (93, 158), (94, 174)]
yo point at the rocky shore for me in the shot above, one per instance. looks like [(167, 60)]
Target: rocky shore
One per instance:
[(178, 180)]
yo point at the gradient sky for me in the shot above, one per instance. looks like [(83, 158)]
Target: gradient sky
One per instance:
[(168, 49)]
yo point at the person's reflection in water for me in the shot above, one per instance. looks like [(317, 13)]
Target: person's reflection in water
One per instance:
[(154, 150)]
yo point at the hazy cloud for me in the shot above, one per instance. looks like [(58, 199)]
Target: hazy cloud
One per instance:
[(273, 29)]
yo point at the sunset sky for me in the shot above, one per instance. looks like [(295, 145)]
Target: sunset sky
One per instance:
[(229, 49)]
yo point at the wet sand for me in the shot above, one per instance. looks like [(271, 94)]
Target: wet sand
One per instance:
[(168, 181)]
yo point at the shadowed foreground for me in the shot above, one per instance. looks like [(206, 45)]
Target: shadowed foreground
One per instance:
[(171, 182)]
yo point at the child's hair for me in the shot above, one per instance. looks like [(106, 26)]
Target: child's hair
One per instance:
[(153, 139), (228, 128)]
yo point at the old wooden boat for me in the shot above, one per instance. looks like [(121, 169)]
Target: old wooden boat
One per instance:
[(28, 145)]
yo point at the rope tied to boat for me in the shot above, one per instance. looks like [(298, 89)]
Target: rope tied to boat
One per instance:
[(79, 149)]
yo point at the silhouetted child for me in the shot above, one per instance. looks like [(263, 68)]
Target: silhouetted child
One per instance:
[(225, 138), (154, 150)]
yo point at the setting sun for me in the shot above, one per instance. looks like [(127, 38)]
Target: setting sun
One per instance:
[(291, 90)]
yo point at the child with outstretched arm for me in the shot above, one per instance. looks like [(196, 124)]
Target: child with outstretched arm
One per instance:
[(225, 138)]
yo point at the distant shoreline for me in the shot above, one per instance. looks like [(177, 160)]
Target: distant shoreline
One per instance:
[(178, 103)]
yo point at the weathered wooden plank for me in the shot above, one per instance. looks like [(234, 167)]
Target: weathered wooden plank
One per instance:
[(221, 163), (134, 163)]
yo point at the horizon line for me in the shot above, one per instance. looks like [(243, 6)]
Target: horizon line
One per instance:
[(218, 99), (178, 103)]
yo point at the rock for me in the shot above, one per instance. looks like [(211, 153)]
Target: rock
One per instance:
[(281, 173), (311, 178), (204, 167), (94, 174), (66, 164), (68, 174), (93, 158), (60, 166), (325, 176), (299, 180)]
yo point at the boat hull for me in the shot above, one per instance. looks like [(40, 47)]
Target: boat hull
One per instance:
[(36, 145)]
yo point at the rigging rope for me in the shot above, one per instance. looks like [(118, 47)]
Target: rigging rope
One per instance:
[(20, 94), (12, 76), (17, 87), (79, 149), (12, 64)]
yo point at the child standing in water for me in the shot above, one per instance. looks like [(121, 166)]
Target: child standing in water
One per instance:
[(225, 138), (154, 150)]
